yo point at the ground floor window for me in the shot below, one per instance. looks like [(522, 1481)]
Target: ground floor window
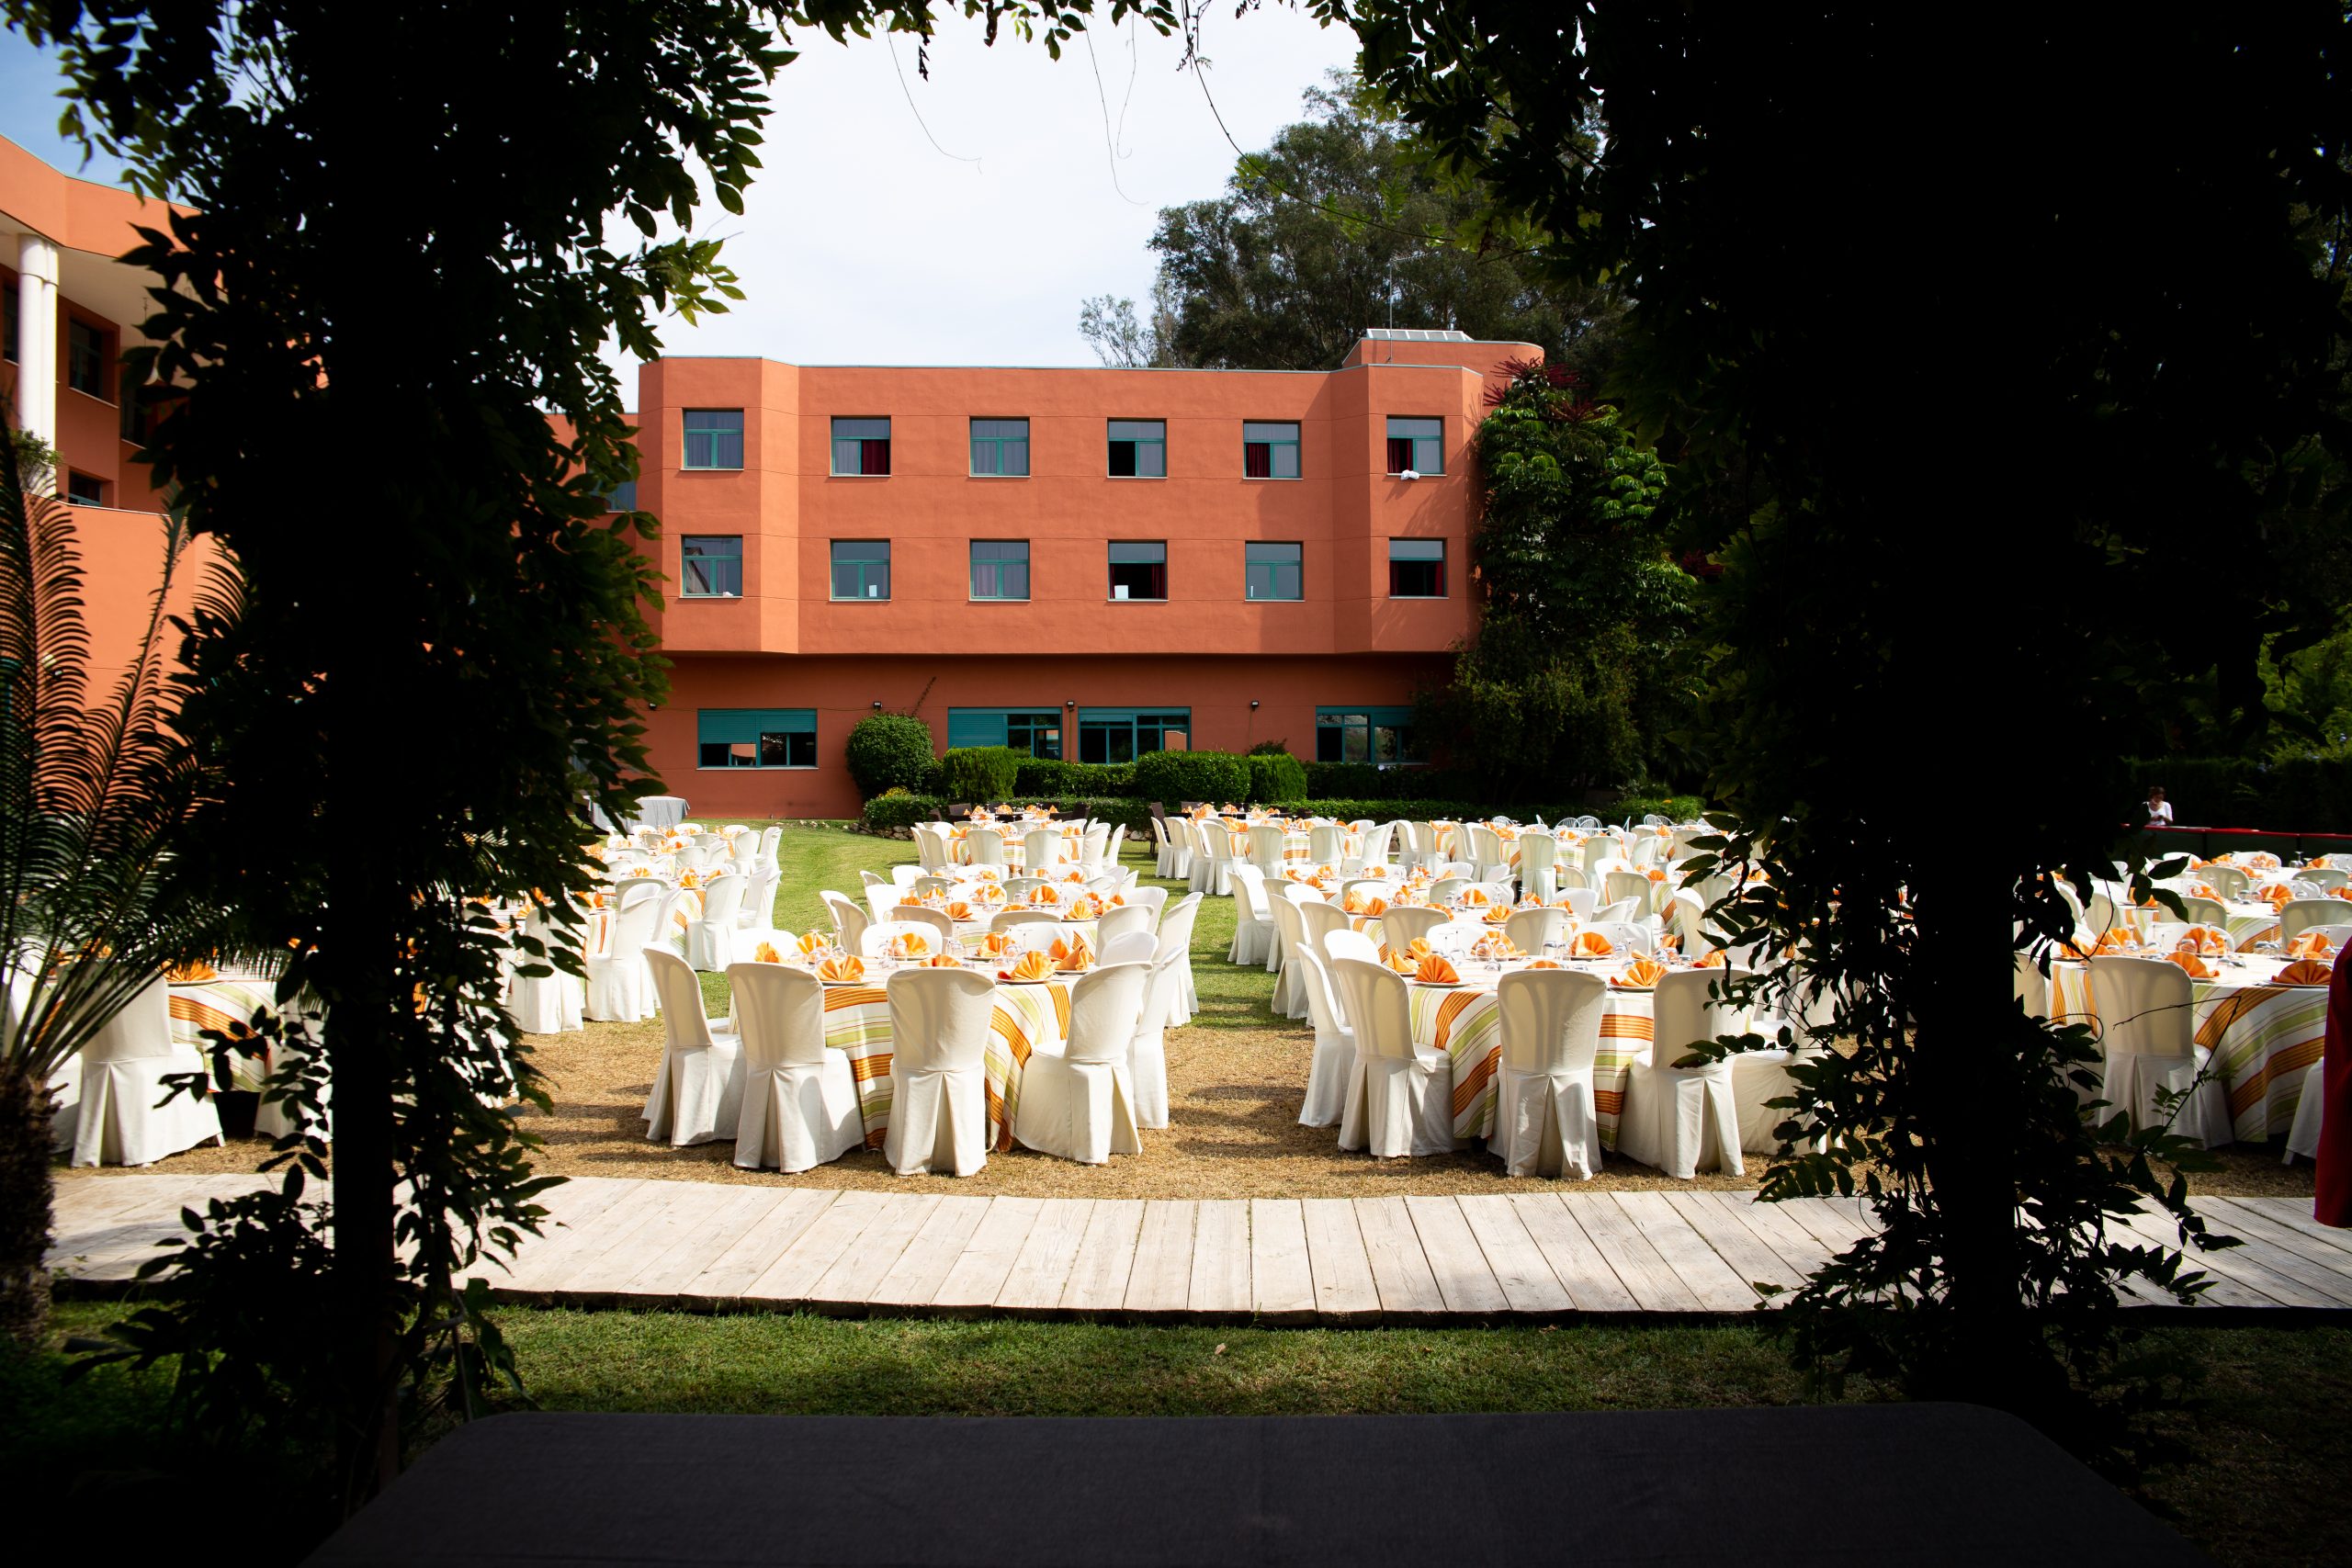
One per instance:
[(1365, 734), (1036, 732), (1120, 735), (755, 738)]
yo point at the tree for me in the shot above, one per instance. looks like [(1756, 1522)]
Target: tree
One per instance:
[(2000, 486), (1344, 223), (1575, 677), (394, 269)]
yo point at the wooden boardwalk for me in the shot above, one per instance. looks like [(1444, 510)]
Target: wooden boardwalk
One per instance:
[(1543, 1253)]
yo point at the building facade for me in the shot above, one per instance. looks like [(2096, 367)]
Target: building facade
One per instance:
[(1082, 564)]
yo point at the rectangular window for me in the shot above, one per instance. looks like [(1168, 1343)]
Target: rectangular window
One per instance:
[(999, 569), (83, 490), (1001, 448), (1120, 735), (1036, 732), (1365, 734), (711, 566), (1269, 451), (860, 569), (714, 438), (1417, 569), (1138, 448), (1416, 446), (861, 445), (9, 306), (137, 406), (1272, 571), (86, 355), (755, 738), (1138, 569), (622, 497)]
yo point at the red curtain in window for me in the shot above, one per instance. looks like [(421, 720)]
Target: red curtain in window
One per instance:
[(1256, 461), (874, 456), (1400, 454)]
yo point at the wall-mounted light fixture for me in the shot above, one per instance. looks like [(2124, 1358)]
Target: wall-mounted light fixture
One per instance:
[(1069, 702), (1253, 705), (877, 704)]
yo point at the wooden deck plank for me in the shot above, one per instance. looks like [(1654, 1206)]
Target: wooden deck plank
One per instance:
[(2239, 1218), (1220, 1281), (729, 1273), (1527, 1281), (1400, 1271), (677, 1216), (1041, 1269), (1344, 1292), (552, 1262), (851, 1281), (1835, 1228), (1161, 1280), (1741, 1248), (2232, 1283), (1106, 1256), (979, 1272), (798, 1266), (1655, 1285), (914, 1279), (1665, 1225), (1576, 1259), (1797, 1246), (1282, 1281), (2296, 1215), (1464, 1281), (667, 1275)]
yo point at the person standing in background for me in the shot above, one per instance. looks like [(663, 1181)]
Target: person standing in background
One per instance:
[(2159, 810)]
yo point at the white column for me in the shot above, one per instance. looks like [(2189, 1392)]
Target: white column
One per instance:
[(37, 337)]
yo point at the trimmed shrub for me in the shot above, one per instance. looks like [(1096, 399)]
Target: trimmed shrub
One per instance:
[(1269, 748), (1173, 777), (1276, 776), (895, 811), (979, 773), (889, 750), (1044, 775)]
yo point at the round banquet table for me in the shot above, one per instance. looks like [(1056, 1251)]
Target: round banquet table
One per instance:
[(2264, 1037), (1465, 1022), (960, 844), (226, 1004), (857, 1022), (660, 811)]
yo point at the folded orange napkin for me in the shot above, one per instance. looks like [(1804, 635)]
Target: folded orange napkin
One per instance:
[(1033, 966), (1434, 970), (2344, 893), (1543, 964), (194, 972), (1642, 972), (847, 967), (943, 961), (1072, 953), (2263, 859), (2197, 967), (2311, 944), (988, 893), (908, 945), (2306, 971), (2202, 939), (1474, 895), (1656, 875), (810, 942), (988, 873), (1075, 876), (2276, 896), (1594, 945), (1497, 915), (1083, 907), (959, 910), (1046, 895), (1712, 959), (1374, 873), (766, 953), (996, 942), (1352, 903)]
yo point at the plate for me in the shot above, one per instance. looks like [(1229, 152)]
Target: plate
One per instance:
[(1622, 986), (1009, 980), (1437, 984)]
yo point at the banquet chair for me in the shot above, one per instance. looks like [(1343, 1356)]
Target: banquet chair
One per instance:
[(1528, 930), (1266, 843), (931, 883), (710, 937), (2148, 1032), (1581, 903), (758, 913), (1290, 933), (122, 1117), (1078, 1098), (1538, 869), (931, 847), (1152, 898), (849, 921), (1626, 936), (1176, 928), (2028, 987), (630, 888), (1253, 925), (698, 1090), (1400, 1096), (1108, 853), (800, 1101), (1335, 1046), (2103, 914), (1041, 850), (1122, 918), (2162, 936), (870, 880), (1486, 852), (620, 984), (1680, 1120), (2226, 880), (1180, 849), (2324, 878), (1623, 911), (2300, 915), (984, 846), (2204, 911), (1446, 889), (2337, 932), (1365, 887), (2303, 1138), (1592, 851), (1405, 922), (1013, 919), (1326, 843), (1023, 885), (1620, 886), (1213, 860), (1546, 1119), (1148, 1049), (1453, 937), (942, 930), (1347, 944), (940, 1023), (1372, 848), (1163, 853), (1320, 917), (554, 1003), (1127, 947), (1421, 844), (905, 877)]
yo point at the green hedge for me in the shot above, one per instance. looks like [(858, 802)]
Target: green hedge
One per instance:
[(981, 775), (889, 750), (2296, 795), (1276, 776), (1681, 808), (1173, 777), (1043, 776)]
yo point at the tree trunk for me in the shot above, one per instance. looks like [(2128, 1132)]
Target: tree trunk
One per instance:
[(25, 1190)]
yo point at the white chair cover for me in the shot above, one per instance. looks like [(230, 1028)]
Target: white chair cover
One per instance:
[(620, 986), (2303, 1138), (123, 1068), (1400, 1096), (799, 1104), (849, 921), (1122, 919), (1679, 1119), (2148, 1033), (1528, 930), (1335, 1046), (1253, 926), (1078, 1100), (1545, 1122), (1347, 943), (1538, 855), (939, 1030), (1290, 934), (698, 1091), (1176, 938), (710, 937), (1129, 947), (1404, 923), (545, 1004)]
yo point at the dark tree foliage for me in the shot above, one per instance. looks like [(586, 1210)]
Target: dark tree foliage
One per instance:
[(390, 268), (1343, 223), (2000, 483)]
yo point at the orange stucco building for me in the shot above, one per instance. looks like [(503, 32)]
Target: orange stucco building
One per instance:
[(1086, 564)]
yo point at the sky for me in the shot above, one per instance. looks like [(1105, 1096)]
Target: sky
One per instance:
[(961, 228)]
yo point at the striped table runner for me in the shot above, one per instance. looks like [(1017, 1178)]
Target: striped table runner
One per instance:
[(2263, 1038), (857, 1021), (1467, 1024)]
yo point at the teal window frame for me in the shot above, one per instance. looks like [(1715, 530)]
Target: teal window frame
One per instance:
[(869, 571), (755, 738), (84, 489), (721, 558), (1120, 735), (622, 497), (1138, 566), (861, 446), (1280, 438), (711, 439), (1145, 453), (991, 572), (1417, 556), (1035, 731), (1271, 566), (88, 350), (1421, 441), (999, 450), (1363, 733)]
